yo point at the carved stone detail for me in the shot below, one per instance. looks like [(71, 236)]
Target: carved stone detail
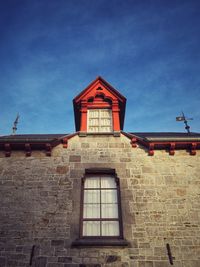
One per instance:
[(151, 149), (7, 148), (48, 150), (193, 149), (65, 142), (28, 150), (172, 149)]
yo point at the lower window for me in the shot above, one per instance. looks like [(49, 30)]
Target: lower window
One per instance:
[(101, 209)]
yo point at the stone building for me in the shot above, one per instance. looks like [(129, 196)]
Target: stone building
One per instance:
[(100, 196)]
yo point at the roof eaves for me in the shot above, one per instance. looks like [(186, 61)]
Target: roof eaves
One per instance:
[(172, 139)]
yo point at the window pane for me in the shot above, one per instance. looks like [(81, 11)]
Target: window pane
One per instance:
[(109, 210), (91, 211), (110, 228), (93, 113), (105, 129), (93, 122), (91, 228), (108, 182), (93, 129), (92, 196), (105, 113), (105, 122), (109, 196), (99, 120), (93, 182)]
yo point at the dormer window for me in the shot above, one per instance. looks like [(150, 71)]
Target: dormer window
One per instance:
[(99, 120), (99, 109)]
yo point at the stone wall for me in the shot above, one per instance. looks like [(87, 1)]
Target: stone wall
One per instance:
[(40, 205)]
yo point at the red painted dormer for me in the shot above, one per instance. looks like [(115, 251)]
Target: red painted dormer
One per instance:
[(99, 108)]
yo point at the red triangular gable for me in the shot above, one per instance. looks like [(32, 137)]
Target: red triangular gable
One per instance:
[(92, 89)]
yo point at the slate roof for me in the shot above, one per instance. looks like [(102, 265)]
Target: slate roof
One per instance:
[(146, 136), (167, 136), (31, 137)]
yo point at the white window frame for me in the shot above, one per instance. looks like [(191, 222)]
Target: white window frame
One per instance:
[(100, 125)]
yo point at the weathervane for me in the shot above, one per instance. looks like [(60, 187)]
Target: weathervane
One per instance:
[(185, 120), (14, 128)]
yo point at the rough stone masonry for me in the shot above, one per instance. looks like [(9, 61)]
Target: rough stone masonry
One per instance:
[(40, 205)]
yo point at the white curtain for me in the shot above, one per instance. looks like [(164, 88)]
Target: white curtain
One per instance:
[(91, 211), (108, 182), (99, 120), (92, 182), (109, 196), (92, 196), (91, 228), (110, 228), (109, 211)]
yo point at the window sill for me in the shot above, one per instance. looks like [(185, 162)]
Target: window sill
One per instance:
[(115, 133), (87, 242)]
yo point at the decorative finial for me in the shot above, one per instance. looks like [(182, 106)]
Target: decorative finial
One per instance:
[(14, 128), (185, 120)]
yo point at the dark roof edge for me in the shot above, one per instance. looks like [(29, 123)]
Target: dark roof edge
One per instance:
[(167, 137), (33, 139)]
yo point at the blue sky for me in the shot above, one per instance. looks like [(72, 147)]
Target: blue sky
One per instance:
[(51, 50)]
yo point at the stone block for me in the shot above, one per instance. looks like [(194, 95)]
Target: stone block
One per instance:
[(125, 159), (57, 242), (137, 258), (11, 263), (65, 259), (134, 251), (74, 158), (20, 257), (2, 262), (112, 258), (181, 192), (116, 145), (76, 173), (144, 245), (53, 259), (162, 264), (160, 251), (191, 263), (133, 264), (56, 264), (19, 248), (62, 169), (40, 261), (102, 145), (134, 243), (8, 247), (85, 145), (145, 264), (71, 265)]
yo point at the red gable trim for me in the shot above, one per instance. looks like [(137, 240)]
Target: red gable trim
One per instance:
[(104, 83)]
